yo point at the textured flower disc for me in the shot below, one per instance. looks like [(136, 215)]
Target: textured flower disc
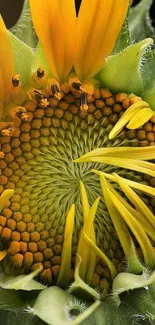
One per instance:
[(38, 165)]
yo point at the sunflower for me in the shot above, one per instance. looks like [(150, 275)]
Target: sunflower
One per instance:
[(77, 181)]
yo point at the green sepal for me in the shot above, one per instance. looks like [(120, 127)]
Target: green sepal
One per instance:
[(149, 97), (24, 29), (23, 56), (40, 60), (109, 314), (19, 317), (55, 306), (148, 75), (122, 72), (21, 282), (80, 288), (128, 281), (139, 21), (123, 39), (142, 301), (10, 299)]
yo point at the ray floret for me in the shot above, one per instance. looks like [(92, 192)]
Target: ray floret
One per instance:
[(97, 29), (134, 117), (58, 35)]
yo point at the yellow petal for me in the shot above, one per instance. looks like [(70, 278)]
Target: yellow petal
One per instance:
[(136, 200), (67, 248), (54, 22), (140, 118), (126, 117), (3, 254), (99, 23), (138, 186), (136, 229), (6, 64), (143, 153)]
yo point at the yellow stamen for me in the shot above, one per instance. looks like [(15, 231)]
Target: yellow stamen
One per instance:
[(75, 84), (64, 275), (44, 102), (7, 132), (15, 80), (40, 73), (83, 102)]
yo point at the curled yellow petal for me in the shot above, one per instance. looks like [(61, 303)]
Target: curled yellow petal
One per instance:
[(54, 22), (87, 255), (136, 229), (3, 254), (129, 114), (99, 23), (64, 275), (140, 118), (6, 64)]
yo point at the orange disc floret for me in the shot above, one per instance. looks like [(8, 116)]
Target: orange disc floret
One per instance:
[(48, 253), (32, 247), (11, 224), (21, 226), (35, 236), (14, 248), (23, 247), (25, 236), (38, 257), (6, 233), (2, 221), (17, 260), (56, 270), (28, 259), (15, 236), (46, 276)]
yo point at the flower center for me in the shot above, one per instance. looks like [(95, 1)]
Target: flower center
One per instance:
[(38, 165)]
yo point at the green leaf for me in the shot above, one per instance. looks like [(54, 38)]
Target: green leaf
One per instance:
[(23, 56), (108, 314), (148, 71), (139, 21), (122, 72), (148, 75), (19, 317), (24, 28), (123, 39), (142, 301), (10, 299)]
